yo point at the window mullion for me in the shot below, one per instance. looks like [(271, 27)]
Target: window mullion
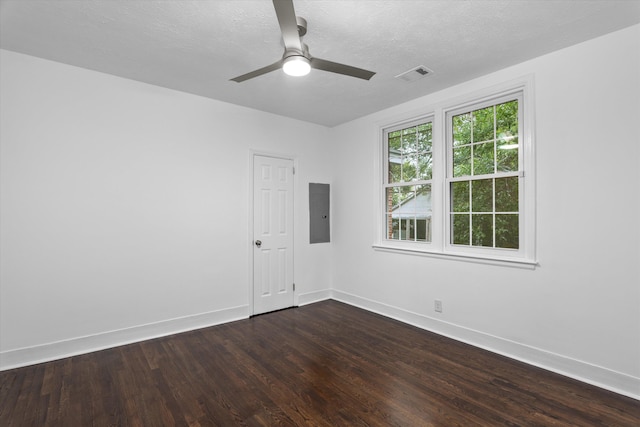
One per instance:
[(486, 176), (493, 213)]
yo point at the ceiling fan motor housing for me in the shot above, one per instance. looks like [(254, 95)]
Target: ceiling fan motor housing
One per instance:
[(295, 52)]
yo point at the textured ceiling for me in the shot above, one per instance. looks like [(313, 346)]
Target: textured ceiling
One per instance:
[(197, 46)]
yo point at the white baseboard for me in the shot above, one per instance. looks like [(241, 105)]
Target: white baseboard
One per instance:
[(582, 371), (311, 297), (602, 377), (57, 350)]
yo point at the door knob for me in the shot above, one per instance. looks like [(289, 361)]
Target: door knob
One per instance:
[(258, 243)]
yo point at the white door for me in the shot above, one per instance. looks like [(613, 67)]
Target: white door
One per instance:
[(272, 234)]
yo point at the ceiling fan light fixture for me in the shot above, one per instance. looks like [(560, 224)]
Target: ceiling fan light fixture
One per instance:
[(296, 65)]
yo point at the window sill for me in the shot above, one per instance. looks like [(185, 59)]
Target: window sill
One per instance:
[(506, 262)]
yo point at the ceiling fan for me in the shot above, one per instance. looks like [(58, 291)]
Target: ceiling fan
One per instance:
[(296, 60)]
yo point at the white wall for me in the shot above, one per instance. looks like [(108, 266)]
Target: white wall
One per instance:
[(125, 208), (578, 312)]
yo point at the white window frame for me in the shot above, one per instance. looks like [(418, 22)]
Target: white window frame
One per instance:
[(414, 122), (440, 246)]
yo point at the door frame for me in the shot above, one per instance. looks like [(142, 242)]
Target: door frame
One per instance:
[(250, 238)]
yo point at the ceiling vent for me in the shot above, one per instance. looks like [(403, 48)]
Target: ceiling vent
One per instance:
[(414, 74)]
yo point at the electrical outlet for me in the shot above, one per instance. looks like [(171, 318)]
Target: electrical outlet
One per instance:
[(437, 306)]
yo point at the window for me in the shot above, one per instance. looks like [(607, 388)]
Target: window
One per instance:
[(483, 175), (408, 184), (454, 181)]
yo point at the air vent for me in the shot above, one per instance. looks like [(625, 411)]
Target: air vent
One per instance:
[(414, 74)]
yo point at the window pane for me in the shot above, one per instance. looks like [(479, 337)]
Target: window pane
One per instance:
[(423, 229), (507, 231), (507, 155), (409, 168), (394, 155), (507, 120), (422, 203), (405, 193), (460, 229), (395, 171), (482, 195), (462, 161), (423, 200), (409, 140), (507, 194), (393, 198), (395, 143), (407, 229), (462, 129), (392, 223), (425, 137), (482, 230), (397, 196), (507, 136), (408, 210), (460, 196), (424, 166), (393, 228), (423, 189), (483, 125), (483, 162)]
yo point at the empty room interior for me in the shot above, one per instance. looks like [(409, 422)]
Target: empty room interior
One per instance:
[(433, 221)]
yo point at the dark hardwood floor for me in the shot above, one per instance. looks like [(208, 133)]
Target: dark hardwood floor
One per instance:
[(325, 364)]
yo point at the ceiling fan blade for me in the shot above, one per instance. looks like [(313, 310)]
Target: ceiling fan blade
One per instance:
[(258, 72), (288, 24), (347, 70)]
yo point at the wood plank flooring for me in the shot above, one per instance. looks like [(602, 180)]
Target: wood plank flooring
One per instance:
[(325, 364)]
